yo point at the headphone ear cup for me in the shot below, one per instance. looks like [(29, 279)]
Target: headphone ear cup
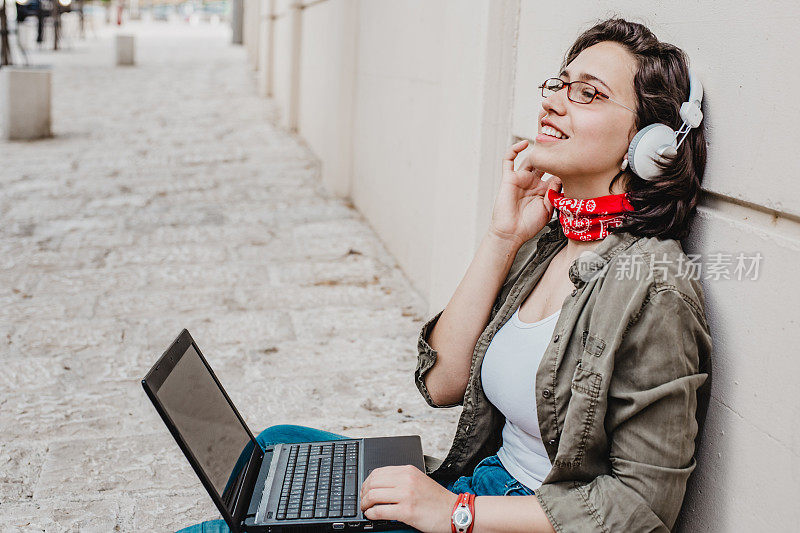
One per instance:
[(643, 150)]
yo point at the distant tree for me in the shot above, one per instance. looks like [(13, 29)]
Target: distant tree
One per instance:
[(82, 18), (56, 14)]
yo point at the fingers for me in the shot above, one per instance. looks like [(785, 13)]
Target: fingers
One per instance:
[(555, 184), (381, 496), (382, 512), (389, 477), (527, 164), (508, 158)]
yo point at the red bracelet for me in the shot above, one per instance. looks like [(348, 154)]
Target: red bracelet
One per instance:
[(467, 500), (471, 510)]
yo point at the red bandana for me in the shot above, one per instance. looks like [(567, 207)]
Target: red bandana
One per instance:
[(589, 219)]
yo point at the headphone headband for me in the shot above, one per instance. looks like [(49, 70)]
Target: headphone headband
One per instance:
[(695, 88)]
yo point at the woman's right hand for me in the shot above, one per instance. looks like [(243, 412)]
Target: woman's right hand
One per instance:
[(521, 209)]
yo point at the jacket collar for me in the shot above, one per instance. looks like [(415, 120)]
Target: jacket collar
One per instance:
[(585, 267)]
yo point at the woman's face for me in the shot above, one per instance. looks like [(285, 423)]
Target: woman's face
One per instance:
[(596, 135)]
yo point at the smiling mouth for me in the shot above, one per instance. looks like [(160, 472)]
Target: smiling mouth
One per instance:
[(552, 132)]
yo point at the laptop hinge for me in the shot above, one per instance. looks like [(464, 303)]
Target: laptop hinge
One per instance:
[(273, 467), (245, 490)]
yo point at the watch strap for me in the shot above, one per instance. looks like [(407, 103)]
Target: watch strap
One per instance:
[(463, 498), (468, 500), (472, 512)]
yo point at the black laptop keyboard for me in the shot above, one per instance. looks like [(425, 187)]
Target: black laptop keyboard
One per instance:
[(321, 482)]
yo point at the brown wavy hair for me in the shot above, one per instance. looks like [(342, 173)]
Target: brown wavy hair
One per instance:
[(663, 207)]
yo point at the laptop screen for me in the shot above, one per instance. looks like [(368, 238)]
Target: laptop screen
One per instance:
[(207, 423)]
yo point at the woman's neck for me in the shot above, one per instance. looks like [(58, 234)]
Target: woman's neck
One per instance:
[(584, 189)]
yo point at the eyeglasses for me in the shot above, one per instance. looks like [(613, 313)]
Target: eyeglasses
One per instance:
[(579, 92)]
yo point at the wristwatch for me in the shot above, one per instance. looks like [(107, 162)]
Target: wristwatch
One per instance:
[(463, 513)]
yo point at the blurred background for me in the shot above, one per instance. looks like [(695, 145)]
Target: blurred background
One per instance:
[(76, 17), (302, 184)]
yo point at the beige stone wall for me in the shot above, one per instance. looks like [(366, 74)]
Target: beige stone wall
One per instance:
[(250, 30), (410, 105), (390, 94)]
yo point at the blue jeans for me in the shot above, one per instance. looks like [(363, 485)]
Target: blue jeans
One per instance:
[(488, 479)]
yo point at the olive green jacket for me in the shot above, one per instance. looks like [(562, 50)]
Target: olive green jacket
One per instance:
[(616, 389)]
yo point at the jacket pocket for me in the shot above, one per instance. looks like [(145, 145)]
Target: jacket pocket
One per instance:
[(581, 415), (592, 345)]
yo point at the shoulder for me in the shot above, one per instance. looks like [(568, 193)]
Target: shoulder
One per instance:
[(652, 266), (665, 334)]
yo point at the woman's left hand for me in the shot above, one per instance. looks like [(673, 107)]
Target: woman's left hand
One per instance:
[(406, 494)]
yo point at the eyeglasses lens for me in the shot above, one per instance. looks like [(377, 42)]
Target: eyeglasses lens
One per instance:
[(581, 92), (578, 91), (551, 86)]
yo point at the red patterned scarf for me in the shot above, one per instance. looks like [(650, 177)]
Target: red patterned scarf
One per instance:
[(589, 219)]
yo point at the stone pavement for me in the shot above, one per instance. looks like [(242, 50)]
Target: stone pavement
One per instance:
[(168, 199)]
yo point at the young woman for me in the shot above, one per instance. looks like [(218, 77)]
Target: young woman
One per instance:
[(578, 378)]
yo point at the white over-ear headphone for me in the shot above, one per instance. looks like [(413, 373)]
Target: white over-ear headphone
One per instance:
[(652, 143)]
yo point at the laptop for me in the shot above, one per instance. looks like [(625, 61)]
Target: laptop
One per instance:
[(313, 486)]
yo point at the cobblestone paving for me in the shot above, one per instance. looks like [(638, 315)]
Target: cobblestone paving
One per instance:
[(168, 199)]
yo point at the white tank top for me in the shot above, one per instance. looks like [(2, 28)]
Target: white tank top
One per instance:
[(508, 377)]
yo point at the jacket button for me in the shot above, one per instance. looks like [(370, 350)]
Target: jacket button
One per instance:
[(555, 339), (546, 393), (574, 292)]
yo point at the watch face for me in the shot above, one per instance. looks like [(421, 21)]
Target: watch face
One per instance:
[(462, 518)]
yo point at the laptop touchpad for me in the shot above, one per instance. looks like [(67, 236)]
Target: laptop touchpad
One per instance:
[(392, 451)]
